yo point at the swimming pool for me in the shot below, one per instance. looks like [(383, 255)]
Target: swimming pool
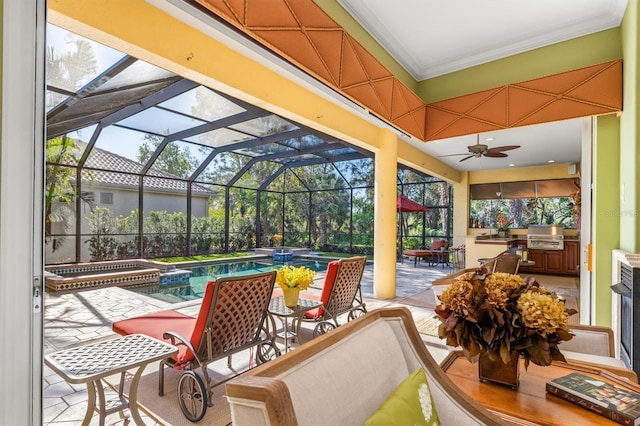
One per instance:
[(193, 288)]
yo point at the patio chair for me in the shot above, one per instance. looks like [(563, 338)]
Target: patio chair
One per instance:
[(233, 317), (504, 262), (593, 345), (341, 294), (507, 262)]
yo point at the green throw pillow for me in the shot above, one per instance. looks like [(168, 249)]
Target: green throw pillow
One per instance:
[(409, 404)]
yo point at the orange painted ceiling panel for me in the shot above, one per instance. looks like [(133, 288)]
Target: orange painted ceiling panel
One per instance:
[(306, 54), (304, 34), (561, 110), (466, 103), (375, 69), (492, 109), (231, 10), (276, 15), (437, 120), (352, 71), (399, 104), (523, 103), (462, 126), (328, 45), (369, 98), (384, 89), (410, 123), (562, 82), (598, 90), (412, 100)]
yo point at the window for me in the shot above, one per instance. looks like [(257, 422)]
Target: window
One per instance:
[(533, 202), (106, 198)]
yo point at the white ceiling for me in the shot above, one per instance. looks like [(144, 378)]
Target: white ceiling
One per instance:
[(435, 37), (557, 142)]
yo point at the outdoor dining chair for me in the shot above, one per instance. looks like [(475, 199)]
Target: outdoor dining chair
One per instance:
[(233, 317), (341, 294), (507, 262)]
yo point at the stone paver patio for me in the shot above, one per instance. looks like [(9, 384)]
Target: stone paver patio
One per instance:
[(82, 317)]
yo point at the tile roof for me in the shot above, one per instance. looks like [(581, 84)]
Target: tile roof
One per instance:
[(126, 171)]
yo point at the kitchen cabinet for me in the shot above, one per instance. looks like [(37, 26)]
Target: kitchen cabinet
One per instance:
[(571, 257), (536, 256), (558, 262), (554, 261)]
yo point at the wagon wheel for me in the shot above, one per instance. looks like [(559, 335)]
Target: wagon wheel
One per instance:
[(356, 313), (323, 327), (266, 351), (192, 396)]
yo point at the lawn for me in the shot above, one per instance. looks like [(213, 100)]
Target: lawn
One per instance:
[(202, 257)]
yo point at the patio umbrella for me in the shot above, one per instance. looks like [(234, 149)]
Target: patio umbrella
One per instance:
[(406, 205)]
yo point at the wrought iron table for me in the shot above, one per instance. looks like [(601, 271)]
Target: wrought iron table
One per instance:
[(91, 363), (279, 309)]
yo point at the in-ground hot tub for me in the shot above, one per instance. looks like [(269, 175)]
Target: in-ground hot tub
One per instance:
[(271, 251), (78, 276)]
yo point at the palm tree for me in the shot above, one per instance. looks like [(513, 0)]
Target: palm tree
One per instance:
[(60, 187)]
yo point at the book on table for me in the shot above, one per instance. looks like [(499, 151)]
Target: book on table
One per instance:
[(614, 402)]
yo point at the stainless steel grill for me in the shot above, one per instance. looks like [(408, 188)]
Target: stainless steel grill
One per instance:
[(545, 237)]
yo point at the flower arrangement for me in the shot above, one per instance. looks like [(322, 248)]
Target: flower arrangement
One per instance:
[(294, 277), (502, 224), (500, 314)]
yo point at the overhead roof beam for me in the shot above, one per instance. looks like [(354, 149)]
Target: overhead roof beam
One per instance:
[(303, 151), (178, 88), (292, 134), (93, 85), (242, 171), (309, 162), (175, 89)]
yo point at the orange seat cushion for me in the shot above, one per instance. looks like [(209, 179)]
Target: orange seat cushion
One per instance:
[(156, 324), (327, 287)]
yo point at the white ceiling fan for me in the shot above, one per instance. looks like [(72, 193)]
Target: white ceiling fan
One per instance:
[(482, 150)]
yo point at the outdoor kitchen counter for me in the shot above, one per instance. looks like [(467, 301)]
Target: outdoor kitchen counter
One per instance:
[(484, 239), (484, 243), (482, 246)]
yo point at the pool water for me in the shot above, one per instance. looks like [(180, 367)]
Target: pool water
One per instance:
[(201, 275)]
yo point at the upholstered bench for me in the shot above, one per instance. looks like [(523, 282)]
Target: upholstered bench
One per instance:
[(344, 377)]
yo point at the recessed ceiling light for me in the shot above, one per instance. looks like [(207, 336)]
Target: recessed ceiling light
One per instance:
[(511, 165), (551, 161), (490, 139)]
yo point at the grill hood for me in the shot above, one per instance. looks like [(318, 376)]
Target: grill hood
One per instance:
[(545, 237)]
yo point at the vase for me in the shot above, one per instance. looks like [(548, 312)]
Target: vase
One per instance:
[(494, 370), (291, 295), (502, 234)]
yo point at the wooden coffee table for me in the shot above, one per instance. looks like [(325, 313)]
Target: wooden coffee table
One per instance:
[(530, 404)]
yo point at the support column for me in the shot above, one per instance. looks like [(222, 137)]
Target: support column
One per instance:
[(385, 187)]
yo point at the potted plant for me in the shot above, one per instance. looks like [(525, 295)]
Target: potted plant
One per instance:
[(291, 280), (501, 317), (502, 224)]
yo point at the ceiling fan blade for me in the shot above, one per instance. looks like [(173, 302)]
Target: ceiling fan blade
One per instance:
[(452, 155), (466, 158), (495, 154), (503, 148)]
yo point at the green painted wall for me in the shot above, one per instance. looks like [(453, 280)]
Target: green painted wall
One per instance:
[(605, 216), (569, 55), (629, 149)]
